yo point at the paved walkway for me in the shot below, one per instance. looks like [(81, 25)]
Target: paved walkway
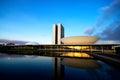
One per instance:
[(110, 59)]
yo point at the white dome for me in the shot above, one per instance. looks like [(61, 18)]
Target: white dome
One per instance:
[(32, 43), (79, 40)]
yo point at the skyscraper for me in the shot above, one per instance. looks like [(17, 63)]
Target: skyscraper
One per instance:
[(57, 33)]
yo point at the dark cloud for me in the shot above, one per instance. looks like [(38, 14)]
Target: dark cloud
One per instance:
[(112, 32), (109, 11), (111, 16)]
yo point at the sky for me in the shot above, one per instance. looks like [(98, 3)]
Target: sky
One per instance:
[(32, 20)]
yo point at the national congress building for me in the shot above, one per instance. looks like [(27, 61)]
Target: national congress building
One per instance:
[(77, 43), (60, 43), (58, 37)]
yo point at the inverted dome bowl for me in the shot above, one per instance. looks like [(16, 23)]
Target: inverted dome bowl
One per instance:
[(79, 40), (81, 63)]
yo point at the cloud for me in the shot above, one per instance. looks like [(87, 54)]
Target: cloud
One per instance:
[(89, 30), (108, 12), (114, 5), (112, 32), (108, 22), (105, 8), (115, 2)]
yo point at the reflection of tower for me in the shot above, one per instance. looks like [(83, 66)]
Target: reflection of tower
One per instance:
[(58, 33), (58, 69)]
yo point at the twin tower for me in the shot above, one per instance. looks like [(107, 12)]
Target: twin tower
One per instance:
[(57, 33)]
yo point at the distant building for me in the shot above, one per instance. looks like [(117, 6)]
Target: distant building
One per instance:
[(57, 34), (32, 43), (10, 44)]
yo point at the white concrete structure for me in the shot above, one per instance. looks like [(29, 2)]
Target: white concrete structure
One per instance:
[(54, 34), (32, 43), (60, 33), (57, 34), (77, 40), (58, 37)]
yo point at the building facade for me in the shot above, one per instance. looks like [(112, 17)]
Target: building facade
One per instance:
[(57, 33)]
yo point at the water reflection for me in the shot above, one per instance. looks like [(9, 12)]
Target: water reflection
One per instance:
[(66, 54), (55, 66), (81, 63), (57, 69), (76, 54)]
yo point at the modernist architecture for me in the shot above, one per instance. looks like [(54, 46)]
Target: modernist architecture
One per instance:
[(58, 37), (72, 43), (78, 40), (57, 33)]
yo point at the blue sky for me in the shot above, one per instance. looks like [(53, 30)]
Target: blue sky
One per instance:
[(31, 20)]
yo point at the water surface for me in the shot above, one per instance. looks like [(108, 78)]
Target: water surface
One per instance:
[(55, 66)]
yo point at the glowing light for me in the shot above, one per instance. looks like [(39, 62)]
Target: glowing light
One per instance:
[(76, 54), (78, 47)]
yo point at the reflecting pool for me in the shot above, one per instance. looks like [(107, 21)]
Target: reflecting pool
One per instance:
[(55, 66)]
